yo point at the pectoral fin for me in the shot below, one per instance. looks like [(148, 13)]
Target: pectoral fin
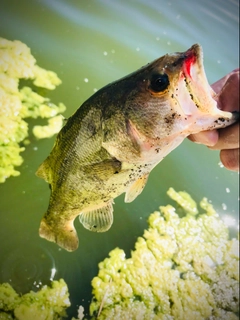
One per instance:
[(98, 220), (136, 188), (106, 168)]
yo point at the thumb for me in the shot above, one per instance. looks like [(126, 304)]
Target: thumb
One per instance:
[(208, 138)]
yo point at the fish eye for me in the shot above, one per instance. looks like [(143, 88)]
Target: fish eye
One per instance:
[(159, 82)]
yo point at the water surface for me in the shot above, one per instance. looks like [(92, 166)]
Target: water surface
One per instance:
[(89, 44)]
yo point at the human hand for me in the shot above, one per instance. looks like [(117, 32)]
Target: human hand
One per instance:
[(227, 139)]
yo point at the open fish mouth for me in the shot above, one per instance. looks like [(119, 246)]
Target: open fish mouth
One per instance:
[(194, 84), (196, 81), (192, 56)]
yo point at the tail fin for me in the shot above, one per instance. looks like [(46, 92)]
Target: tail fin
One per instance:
[(64, 235)]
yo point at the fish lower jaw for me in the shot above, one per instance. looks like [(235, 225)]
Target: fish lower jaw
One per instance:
[(205, 122)]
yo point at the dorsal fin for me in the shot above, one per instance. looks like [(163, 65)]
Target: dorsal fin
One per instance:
[(98, 220), (136, 188)]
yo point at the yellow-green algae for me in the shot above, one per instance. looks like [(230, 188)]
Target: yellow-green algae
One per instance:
[(49, 303), (182, 269), (17, 104)]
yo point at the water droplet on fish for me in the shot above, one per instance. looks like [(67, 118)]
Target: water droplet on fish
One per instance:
[(227, 190), (105, 53), (86, 80)]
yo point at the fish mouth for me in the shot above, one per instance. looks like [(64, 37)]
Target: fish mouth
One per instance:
[(192, 56), (193, 91), (197, 98), (195, 79)]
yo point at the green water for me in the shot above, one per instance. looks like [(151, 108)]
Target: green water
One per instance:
[(102, 41)]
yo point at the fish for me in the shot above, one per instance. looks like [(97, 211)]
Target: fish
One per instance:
[(112, 142)]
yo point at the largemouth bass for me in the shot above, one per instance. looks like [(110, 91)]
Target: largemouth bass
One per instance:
[(113, 141)]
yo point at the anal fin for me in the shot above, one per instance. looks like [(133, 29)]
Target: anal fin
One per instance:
[(136, 188), (98, 220)]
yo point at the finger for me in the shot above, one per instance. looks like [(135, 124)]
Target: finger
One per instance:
[(227, 92), (218, 85), (228, 138), (208, 138), (230, 159), (229, 97)]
